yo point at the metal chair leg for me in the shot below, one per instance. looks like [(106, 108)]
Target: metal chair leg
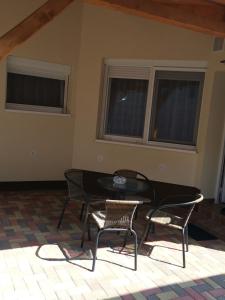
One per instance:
[(186, 237), (136, 214), (135, 249), (96, 248), (183, 247), (84, 226), (62, 213), (89, 230), (151, 229), (145, 234), (125, 241), (82, 211)]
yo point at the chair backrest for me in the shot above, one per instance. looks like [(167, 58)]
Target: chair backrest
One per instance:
[(197, 199), (135, 174), (188, 201), (74, 179), (120, 213), (130, 174)]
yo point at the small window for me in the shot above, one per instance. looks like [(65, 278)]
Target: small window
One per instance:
[(151, 105), (36, 86)]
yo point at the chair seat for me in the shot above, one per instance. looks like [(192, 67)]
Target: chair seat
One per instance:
[(165, 218), (118, 220), (99, 217)]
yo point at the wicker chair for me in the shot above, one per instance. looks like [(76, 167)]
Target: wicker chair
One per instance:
[(179, 222), (135, 174), (149, 200), (74, 179), (118, 216)]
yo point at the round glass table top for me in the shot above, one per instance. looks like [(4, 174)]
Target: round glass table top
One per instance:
[(131, 186)]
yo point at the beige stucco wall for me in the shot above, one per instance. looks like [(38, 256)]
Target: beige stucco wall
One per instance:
[(82, 36), (50, 137), (111, 34), (209, 163)]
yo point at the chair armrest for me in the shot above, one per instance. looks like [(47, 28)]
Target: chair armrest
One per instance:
[(162, 206), (188, 200)]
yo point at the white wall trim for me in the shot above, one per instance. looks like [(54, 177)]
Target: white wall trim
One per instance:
[(194, 64), (32, 67), (38, 112), (148, 146)]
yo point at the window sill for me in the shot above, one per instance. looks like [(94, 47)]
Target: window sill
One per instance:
[(149, 146), (38, 112)]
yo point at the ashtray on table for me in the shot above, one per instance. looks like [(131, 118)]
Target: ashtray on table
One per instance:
[(119, 180)]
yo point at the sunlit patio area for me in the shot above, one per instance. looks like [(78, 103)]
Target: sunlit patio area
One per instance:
[(39, 262), (112, 130)]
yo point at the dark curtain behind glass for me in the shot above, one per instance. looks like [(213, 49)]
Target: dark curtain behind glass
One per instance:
[(127, 104), (176, 104), (34, 90)]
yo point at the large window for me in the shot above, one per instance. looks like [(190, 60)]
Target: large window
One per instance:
[(150, 105), (36, 86)]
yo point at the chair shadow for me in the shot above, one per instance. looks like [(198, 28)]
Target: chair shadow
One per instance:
[(150, 249), (66, 257), (110, 262), (121, 251), (70, 260)]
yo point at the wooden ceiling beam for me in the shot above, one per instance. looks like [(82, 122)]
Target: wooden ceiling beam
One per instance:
[(30, 25), (201, 15), (218, 1)]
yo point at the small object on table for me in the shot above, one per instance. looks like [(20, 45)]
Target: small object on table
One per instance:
[(119, 180), (131, 186)]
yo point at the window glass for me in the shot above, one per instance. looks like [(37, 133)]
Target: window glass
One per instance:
[(166, 115), (35, 90), (175, 108), (126, 107)]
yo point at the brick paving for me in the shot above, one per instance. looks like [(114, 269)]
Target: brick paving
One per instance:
[(39, 262)]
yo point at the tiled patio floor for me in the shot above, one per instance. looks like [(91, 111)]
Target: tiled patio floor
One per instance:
[(35, 264)]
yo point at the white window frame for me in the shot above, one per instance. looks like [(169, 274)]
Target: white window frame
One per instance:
[(31, 67), (153, 65)]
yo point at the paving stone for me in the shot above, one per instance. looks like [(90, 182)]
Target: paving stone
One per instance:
[(33, 266)]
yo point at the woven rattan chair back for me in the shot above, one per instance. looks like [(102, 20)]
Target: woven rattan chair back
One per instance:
[(187, 202), (197, 199), (151, 194), (120, 213), (74, 179)]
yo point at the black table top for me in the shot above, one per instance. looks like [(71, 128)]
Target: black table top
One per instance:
[(131, 187)]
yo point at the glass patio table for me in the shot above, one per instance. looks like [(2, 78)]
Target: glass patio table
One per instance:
[(132, 186)]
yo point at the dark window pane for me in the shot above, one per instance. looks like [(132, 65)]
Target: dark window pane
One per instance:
[(176, 105), (34, 90), (127, 104)]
